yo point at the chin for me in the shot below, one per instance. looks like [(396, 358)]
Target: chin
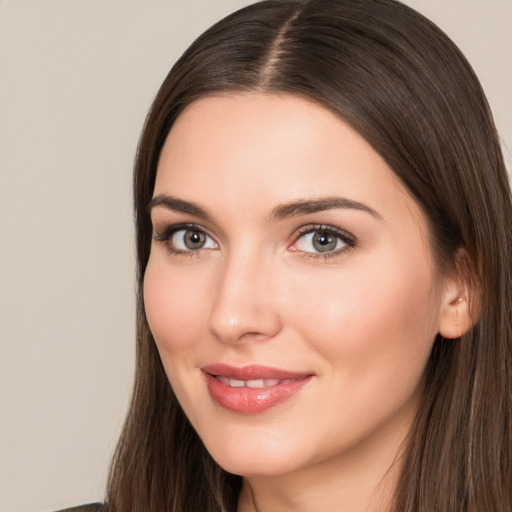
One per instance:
[(250, 468), (261, 457)]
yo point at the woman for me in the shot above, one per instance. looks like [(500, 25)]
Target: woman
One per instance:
[(324, 254)]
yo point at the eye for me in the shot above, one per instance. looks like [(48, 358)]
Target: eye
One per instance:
[(191, 240), (183, 239), (323, 240)]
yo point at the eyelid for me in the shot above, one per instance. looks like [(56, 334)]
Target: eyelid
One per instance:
[(165, 235), (347, 238), (161, 235)]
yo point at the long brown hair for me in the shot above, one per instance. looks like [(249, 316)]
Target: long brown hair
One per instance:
[(406, 88)]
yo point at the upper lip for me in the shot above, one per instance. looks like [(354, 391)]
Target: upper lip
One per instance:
[(251, 372)]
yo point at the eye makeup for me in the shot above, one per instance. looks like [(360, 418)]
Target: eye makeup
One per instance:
[(314, 240), (322, 241), (194, 240)]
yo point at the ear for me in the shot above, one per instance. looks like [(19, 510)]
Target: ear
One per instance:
[(460, 308)]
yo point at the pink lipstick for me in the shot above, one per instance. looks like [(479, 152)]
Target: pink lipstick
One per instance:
[(252, 389)]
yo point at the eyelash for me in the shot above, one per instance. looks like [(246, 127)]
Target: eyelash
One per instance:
[(348, 239), (166, 235)]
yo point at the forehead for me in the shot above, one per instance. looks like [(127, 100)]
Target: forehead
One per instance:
[(257, 150)]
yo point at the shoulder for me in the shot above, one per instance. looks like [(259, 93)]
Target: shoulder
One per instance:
[(91, 507)]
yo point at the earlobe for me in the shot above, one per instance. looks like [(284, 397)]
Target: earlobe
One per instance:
[(460, 304), (456, 317)]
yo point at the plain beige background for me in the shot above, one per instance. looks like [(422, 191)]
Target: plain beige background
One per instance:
[(76, 79)]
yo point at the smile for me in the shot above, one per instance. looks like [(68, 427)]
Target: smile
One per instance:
[(252, 389), (253, 383)]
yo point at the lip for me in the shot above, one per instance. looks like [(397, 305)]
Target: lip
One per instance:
[(251, 400)]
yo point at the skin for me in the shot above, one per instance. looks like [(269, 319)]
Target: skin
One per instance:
[(361, 319)]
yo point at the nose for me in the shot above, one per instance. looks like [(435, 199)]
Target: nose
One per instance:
[(245, 305)]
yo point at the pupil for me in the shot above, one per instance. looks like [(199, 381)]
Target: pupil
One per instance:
[(194, 239), (324, 242)]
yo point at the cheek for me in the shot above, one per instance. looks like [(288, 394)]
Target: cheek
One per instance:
[(173, 305), (376, 327)]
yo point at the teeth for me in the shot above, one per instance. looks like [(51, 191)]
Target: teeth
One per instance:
[(253, 383), (257, 383)]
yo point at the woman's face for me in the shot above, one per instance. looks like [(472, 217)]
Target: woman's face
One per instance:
[(291, 289)]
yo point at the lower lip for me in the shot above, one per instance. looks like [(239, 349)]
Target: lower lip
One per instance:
[(252, 400)]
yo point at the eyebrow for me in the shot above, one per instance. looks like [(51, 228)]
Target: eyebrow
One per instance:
[(308, 206), (179, 205), (280, 212)]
